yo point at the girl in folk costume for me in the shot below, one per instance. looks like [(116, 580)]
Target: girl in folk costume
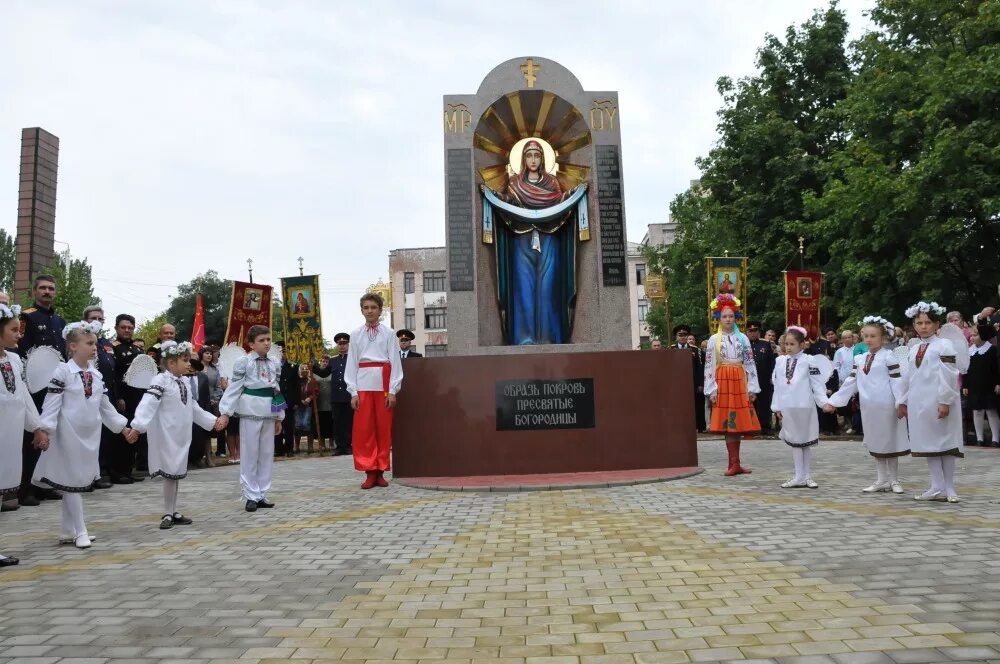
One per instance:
[(930, 400), (731, 380), (75, 407), (799, 388), (17, 410), (876, 378), (165, 414), (982, 383)]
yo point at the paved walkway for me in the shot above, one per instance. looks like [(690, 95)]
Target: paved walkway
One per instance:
[(701, 569)]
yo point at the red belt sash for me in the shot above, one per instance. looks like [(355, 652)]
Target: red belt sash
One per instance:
[(386, 371)]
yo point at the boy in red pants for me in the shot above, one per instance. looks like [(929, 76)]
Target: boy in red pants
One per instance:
[(373, 375)]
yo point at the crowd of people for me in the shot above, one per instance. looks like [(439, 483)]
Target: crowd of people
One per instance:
[(906, 390), (89, 428)]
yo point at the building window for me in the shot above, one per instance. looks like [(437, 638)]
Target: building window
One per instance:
[(410, 319), (435, 318), (643, 310), (435, 350), (434, 282), (640, 274), (407, 282)]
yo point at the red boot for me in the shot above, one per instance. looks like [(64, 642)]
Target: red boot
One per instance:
[(379, 480), (733, 447), (371, 480)]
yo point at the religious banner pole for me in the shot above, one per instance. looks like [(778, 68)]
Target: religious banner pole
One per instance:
[(250, 268)]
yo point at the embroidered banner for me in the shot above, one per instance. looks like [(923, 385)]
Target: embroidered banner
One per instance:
[(802, 293), (303, 325), (249, 305), (726, 275)]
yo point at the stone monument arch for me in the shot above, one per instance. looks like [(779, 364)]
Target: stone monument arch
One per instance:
[(535, 218)]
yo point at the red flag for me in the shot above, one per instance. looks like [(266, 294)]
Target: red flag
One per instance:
[(198, 331)]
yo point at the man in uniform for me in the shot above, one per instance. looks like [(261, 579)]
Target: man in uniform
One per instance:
[(40, 326), (343, 414), (106, 365), (681, 334), (405, 340), (764, 359), (125, 350)]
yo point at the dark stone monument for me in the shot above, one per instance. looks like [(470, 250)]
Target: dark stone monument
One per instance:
[(36, 206)]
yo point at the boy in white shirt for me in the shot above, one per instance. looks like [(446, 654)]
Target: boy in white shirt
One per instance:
[(374, 375)]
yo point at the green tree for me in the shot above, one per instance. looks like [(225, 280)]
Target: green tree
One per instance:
[(215, 297), (277, 321), (778, 129), (74, 286), (149, 331), (911, 207), (8, 259)]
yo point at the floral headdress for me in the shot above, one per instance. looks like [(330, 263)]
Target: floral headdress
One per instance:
[(725, 301), (7, 313), (173, 349), (889, 328), (925, 308), (94, 327)]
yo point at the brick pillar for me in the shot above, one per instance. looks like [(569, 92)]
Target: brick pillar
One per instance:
[(36, 206)]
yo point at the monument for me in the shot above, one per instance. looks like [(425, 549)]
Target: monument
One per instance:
[(540, 379), (535, 216), (36, 207)]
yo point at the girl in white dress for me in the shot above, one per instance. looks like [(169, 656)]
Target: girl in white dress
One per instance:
[(799, 388), (75, 406), (17, 410), (165, 414), (931, 403), (876, 377)]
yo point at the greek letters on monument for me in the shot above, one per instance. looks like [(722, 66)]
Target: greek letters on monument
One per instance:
[(524, 405)]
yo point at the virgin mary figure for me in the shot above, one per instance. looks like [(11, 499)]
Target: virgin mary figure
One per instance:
[(536, 260)]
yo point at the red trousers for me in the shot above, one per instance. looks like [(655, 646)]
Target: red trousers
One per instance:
[(372, 433)]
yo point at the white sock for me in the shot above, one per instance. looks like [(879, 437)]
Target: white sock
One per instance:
[(170, 496), (881, 471), (73, 502), (994, 418), (797, 458), (892, 468), (806, 463), (948, 468), (978, 416), (937, 475)]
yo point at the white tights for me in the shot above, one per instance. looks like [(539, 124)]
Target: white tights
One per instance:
[(942, 471), (72, 514), (802, 457), (170, 488), (887, 470), (978, 416)]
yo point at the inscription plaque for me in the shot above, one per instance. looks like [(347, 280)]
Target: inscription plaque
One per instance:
[(524, 405), (609, 204), (460, 219)]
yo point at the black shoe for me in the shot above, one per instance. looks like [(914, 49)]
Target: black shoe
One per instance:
[(8, 561), (48, 494), (264, 504), (138, 478), (29, 501), (251, 506), (181, 520), (124, 479), (102, 484), (9, 507), (167, 522), (995, 444)]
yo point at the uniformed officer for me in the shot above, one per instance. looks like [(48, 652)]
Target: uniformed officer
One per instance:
[(343, 414), (128, 398), (40, 326), (764, 359), (106, 365), (681, 334), (405, 340)]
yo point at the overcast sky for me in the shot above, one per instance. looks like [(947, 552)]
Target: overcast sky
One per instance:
[(195, 134)]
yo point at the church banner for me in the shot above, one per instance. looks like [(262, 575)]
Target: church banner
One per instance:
[(802, 293), (726, 275), (303, 325), (249, 305)]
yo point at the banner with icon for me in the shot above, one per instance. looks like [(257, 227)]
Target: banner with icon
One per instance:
[(802, 293), (303, 325), (726, 275), (249, 305)]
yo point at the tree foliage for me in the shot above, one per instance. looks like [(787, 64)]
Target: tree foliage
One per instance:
[(215, 296), (8, 259), (74, 286), (149, 331)]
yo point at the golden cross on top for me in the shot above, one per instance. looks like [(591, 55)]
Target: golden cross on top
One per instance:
[(530, 69)]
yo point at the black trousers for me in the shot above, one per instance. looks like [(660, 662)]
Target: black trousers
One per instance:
[(29, 455), (106, 453), (699, 410), (763, 407), (122, 454), (286, 441), (343, 425)]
